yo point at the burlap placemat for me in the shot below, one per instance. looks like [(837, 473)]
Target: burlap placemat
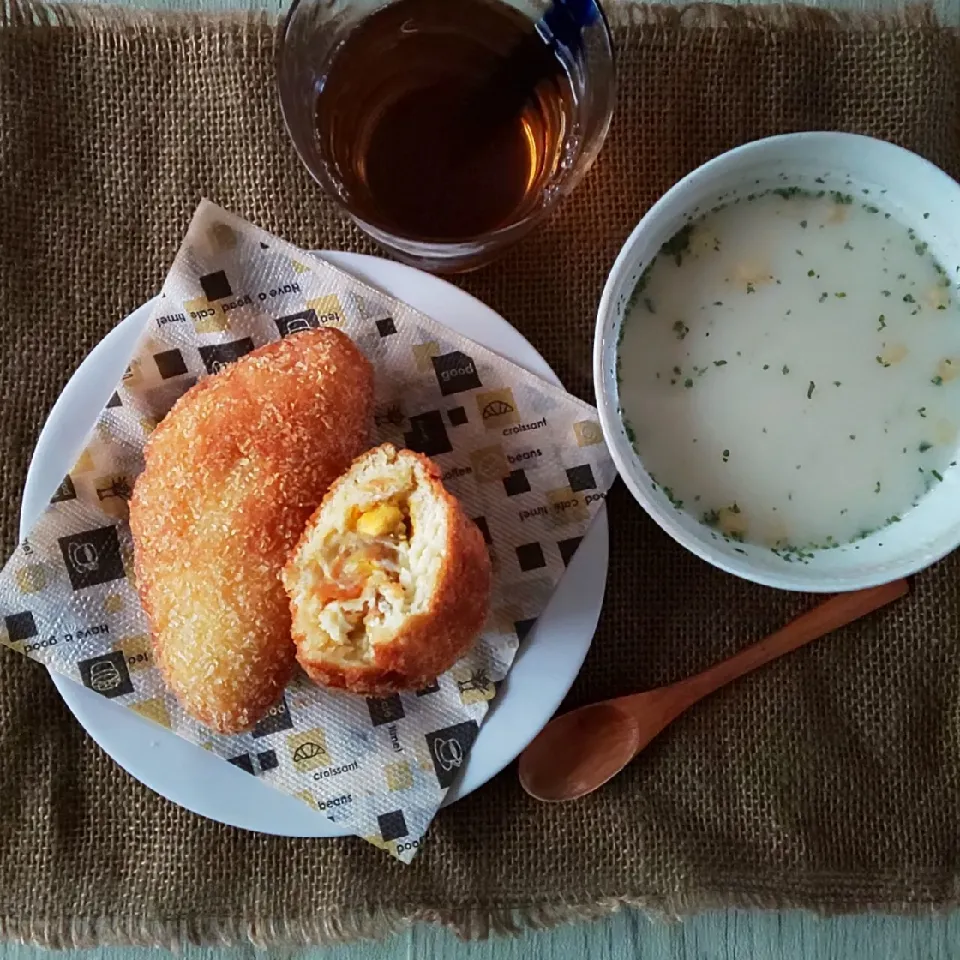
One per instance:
[(830, 780)]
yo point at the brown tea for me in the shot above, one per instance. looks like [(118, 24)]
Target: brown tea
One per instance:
[(443, 118)]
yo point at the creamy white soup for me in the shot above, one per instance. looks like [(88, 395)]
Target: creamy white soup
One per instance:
[(789, 369)]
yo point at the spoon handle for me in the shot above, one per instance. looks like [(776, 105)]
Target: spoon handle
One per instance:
[(834, 613)]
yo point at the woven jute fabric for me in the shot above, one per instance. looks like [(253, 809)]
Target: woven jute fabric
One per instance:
[(828, 780)]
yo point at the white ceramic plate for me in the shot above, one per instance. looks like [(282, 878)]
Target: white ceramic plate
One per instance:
[(187, 775)]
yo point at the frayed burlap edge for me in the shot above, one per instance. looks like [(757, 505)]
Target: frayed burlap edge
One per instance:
[(32, 14), (468, 922), (112, 20)]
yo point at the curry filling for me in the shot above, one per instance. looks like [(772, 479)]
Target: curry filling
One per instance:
[(361, 577)]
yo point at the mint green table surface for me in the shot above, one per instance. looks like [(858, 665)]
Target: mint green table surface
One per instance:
[(724, 935), (732, 935)]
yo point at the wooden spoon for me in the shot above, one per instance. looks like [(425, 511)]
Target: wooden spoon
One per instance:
[(581, 750)]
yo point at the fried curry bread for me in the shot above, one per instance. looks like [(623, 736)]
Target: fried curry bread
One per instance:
[(232, 475), (390, 583)]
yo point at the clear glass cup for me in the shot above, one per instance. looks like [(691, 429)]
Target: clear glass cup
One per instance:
[(311, 36)]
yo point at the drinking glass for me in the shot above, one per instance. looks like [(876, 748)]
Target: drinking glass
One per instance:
[(311, 36)]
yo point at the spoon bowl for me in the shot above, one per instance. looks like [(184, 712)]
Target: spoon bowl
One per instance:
[(579, 751)]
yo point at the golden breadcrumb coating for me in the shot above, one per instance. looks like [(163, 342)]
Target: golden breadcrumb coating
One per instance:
[(390, 582), (232, 474)]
